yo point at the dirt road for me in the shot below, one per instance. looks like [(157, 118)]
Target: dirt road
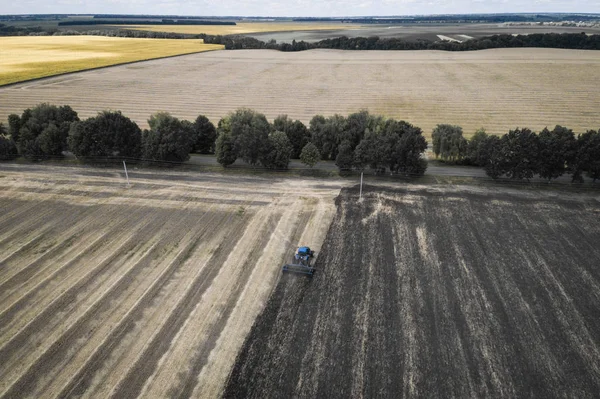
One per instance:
[(435, 293), (115, 291)]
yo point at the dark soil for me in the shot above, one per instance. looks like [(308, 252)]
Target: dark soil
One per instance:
[(423, 293)]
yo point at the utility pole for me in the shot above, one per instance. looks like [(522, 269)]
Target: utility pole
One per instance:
[(126, 174), (361, 179)]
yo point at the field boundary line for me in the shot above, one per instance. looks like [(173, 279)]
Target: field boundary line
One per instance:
[(10, 85), (289, 229)]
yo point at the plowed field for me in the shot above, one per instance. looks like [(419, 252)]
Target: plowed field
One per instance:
[(438, 293), (498, 89), (110, 291)]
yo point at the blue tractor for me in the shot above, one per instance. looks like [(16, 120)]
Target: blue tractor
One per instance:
[(301, 262)]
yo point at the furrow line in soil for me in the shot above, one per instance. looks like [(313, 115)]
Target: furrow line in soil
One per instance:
[(49, 262), (210, 311), (52, 356), (32, 319), (8, 219), (79, 374), (251, 301), (31, 226), (71, 274), (154, 348), (21, 290), (146, 341)]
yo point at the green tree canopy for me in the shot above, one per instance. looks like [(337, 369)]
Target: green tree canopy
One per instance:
[(310, 155), (327, 133), (43, 130), (107, 134), (14, 125), (345, 156), (169, 139), (491, 151), (396, 145), (557, 148), (475, 154), (296, 132), (588, 156), (407, 156), (224, 148), (593, 166), (449, 143), (250, 133), (372, 150), (8, 149), (517, 154), (279, 151), (206, 134), (356, 126)]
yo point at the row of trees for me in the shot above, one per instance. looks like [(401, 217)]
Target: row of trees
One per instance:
[(355, 142), (521, 153), (547, 40), (48, 130)]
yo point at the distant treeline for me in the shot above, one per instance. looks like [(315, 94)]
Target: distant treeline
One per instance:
[(580, 41), (8, 30), (13, 31), (144, 16), (461, 18), (143, 22)]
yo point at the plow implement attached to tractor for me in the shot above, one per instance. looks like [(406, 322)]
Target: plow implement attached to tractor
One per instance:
[(301, 262)]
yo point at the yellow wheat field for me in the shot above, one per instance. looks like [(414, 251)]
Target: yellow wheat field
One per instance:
[(31, 57), (241, 27)]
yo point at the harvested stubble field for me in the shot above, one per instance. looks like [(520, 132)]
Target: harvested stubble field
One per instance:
[(32, 57), (438, 293), (498, 89), (109, 291), (244, 27)]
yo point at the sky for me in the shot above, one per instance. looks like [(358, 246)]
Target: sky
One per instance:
[(294, 8)]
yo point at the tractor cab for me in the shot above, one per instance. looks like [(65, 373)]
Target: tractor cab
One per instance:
[(301, 262)]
